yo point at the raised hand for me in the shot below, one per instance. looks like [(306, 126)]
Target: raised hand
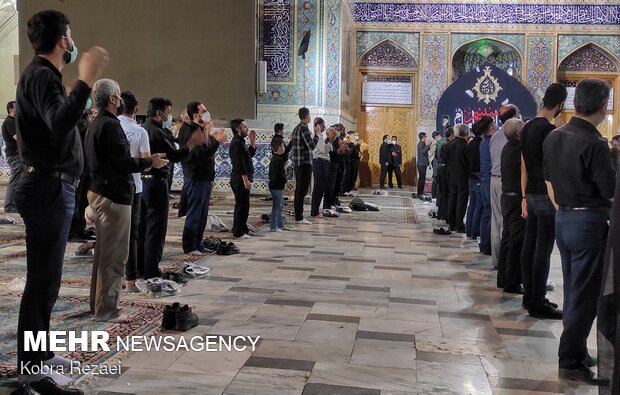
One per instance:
[(92, 64)]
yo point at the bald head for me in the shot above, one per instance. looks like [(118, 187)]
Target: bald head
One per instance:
[(507, 112), (512, 128)]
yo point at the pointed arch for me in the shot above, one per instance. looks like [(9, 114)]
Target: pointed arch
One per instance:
[(590, 57), (388, 54), (489, 38)]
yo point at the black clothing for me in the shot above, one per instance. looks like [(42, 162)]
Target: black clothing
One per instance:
[(46, 119), (242, 208), (287, 148), (614, 159), (511, 167), (153, 225), (8, 133), (160, 144), (455, 158), (109, 159), (320, 169), (303, 176), (457, 206), (421, 179), (241, 159), (201, 165), (385, 154), (422, 157), (473, 157), (277, 174), (577, 162), (329, 198), (131, 266), (393, 169), (533, 135), (513, 234), (398, 159)]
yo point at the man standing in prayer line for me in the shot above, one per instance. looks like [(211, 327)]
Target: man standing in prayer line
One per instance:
[(582, 194), (304, 142), (458, 173), (242, 175), (51, 151)]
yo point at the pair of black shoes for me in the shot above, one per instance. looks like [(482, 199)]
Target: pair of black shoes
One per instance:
[(582, 373), (545, 310), (227, 248), (179, 318), (174, 276), (211, 243), (46, 386), (442, 232)]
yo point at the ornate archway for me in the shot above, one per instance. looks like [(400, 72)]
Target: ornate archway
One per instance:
[(472, 54), (388, 54)]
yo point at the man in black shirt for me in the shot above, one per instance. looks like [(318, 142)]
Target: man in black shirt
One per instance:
[(242, 174), (582, 193), (458, 172), (509, 265), (396, 161), (474, 210), (9, 135), (422, 161), (155, 197), (199, 174), (51, 151), (278, 134), (384, 160), (110, 197), (537, 208), (356, 156), (443, 182)]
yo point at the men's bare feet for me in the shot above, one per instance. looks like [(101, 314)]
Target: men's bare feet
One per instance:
[(121, 319)]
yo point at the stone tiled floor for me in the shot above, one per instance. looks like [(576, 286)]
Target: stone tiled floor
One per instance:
[(350, 306)]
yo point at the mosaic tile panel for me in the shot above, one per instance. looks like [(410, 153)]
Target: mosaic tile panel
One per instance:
[(332, 26), (457, 40), (409, 41), (388, 54), (539, 72), (544, 14), (277, 48), (588, 58), (569, 43), (434, 72)]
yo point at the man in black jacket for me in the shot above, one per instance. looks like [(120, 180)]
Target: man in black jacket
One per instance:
[(110, 198), (458, 173), (51, 151), (474, 209), (396, 161), (356, 156), (384, 160), (9, 135), (422, 162), (242, 175), (155, 197)]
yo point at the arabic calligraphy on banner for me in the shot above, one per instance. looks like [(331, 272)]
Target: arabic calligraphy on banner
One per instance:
[(387, 90), (470, 115), (561, 14), (277, 38)]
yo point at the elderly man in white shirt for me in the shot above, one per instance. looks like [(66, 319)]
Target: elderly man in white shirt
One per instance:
[(139, 148), (320, 165)]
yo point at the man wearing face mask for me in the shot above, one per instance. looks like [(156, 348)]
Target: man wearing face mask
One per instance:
[(356, 156), (110, 197), (199, 174), (242, 175), (155, 198), (51, 151), (396, 160)]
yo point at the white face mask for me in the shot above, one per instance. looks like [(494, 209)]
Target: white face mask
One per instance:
[(393, 142), (206, 117)]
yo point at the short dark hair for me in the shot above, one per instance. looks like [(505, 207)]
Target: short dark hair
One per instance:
[(508, 111), (276, 143), (157, 104), (45, 28), (10, 106), (234, 125), (192, 108), (554, 95), (318, 121), (449, 132), (421, 134), (130, 102), (476, 130), (435, 134), (277, 127), (590, 95), (395, 137), (385, 136), (303, 113), (484, 124)]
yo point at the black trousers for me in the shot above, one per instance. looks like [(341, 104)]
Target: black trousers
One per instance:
[(443, 193), (339, 177), (46, 204), (346, 177), (421, 179), (131, 266), (330, 190), (396, 170), (320, 168), (78, 223), (153, 225), (384, 171), (303, 176), (353, 173), (509, 262), (457, 207), (242, 207)]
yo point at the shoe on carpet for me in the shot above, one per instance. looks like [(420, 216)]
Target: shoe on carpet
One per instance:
[(582, 374), (45, 386), (186, 319), (168, 320), (545, 311), (228, 249), (245, 236), (195, 253), (442, 232), (344, 209), (174, 276), (8, 220), (265, 218), (330, 213), (132, 290), (284, 227), (191, 270), (526, 304), (211, 243), (517, 290), (275, 230), (303, 222)]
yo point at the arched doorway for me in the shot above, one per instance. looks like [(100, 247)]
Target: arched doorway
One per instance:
[(587, 62), (387, 78), (472, 54)]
